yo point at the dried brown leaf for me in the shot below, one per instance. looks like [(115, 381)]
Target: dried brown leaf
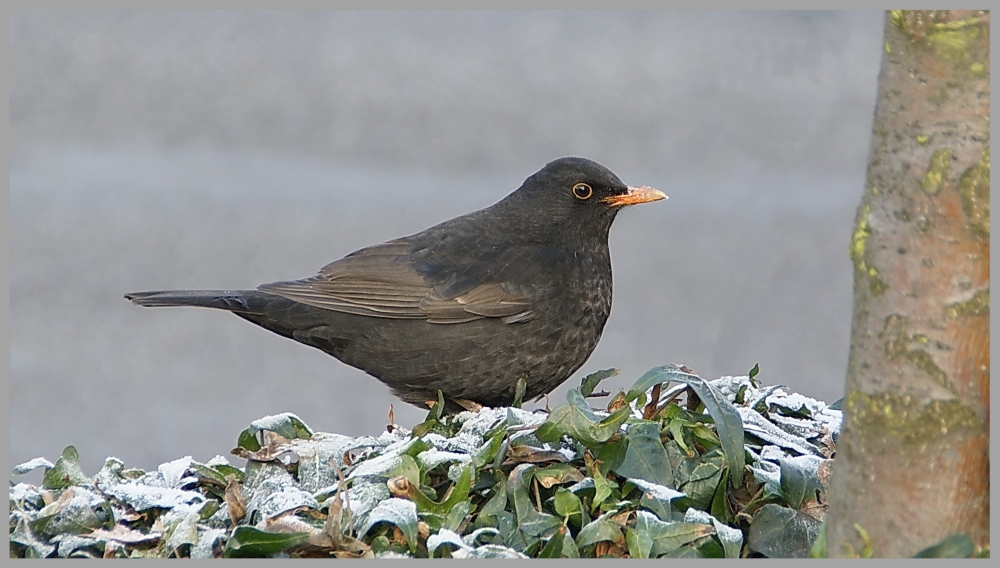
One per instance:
[(401, 487), (234, 500), (469, 405), (531, 454)]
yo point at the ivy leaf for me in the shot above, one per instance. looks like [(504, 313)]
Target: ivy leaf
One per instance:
[(800, 479), (455, 501), (32, 465), (657, 498), (248, 542), (780, 532), (519, 390), (645, 457), (727, 419), (589, 383), (667, 536), (66, 472), (399, 512), (286, 425), (577, 423), (601, 528), (602, 488), (529, 520), (554, 547), (558, 474), (488, 450), (566, 503)]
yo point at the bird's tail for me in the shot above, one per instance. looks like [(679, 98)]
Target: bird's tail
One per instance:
[(231, 300)]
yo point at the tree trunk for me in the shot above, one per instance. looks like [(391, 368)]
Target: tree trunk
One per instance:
[(912, 462)]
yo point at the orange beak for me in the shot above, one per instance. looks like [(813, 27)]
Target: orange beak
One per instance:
[(635, 195)]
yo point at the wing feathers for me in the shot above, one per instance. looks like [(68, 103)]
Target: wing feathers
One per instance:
[(379, 281)]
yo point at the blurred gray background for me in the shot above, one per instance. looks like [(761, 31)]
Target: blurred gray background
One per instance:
[(162, 150)]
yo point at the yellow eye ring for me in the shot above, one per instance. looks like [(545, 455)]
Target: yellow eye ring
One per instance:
[(582, 191)]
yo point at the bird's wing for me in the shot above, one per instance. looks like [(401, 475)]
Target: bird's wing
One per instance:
[(385, 281)]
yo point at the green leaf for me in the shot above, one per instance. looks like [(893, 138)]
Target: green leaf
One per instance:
[(454, 518), (519, 390), (741, 394), (248, 542), (589, 383), (645, 457), (728, 541), (800, 479), (501, 454), (554, 547), (720, 505), (780, 532), (954, 546), (705, 436), (818, 549), (572, 420), (657, 498), (569, 549), (611, 454), (415, 447), (507, 525), (32, 465), (731, 538), (667, 536), (654, 376), (566, 503), (425, 426), (399, 512), (576, 398), (701, 485), (686, 551), (601, 528), (728, 423), (602, 489), (529, 520), (708, 549), (557, 474), (498, 502), (459, 492), (227, 470), (66, 472), (678, 432), (286, 425), (456, 494), (406, 467), (444, 536), (210, 508), (438, 411), (184, 532), (36, 546), (868, 550), (208, 472), (639, 543), (488, 450)]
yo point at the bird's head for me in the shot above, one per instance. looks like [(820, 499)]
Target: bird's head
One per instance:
[(574, 196)]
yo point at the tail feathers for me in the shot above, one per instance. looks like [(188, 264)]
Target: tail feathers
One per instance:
[(232, 300)]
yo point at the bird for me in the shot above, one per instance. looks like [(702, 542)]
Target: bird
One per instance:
[(520, 290)]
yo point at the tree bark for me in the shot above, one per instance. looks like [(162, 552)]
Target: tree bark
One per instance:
[(912, 462)]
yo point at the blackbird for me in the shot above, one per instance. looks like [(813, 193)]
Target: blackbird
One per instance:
[(518, 290)]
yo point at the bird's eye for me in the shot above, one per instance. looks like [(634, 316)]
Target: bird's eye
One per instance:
[(582, 191)]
